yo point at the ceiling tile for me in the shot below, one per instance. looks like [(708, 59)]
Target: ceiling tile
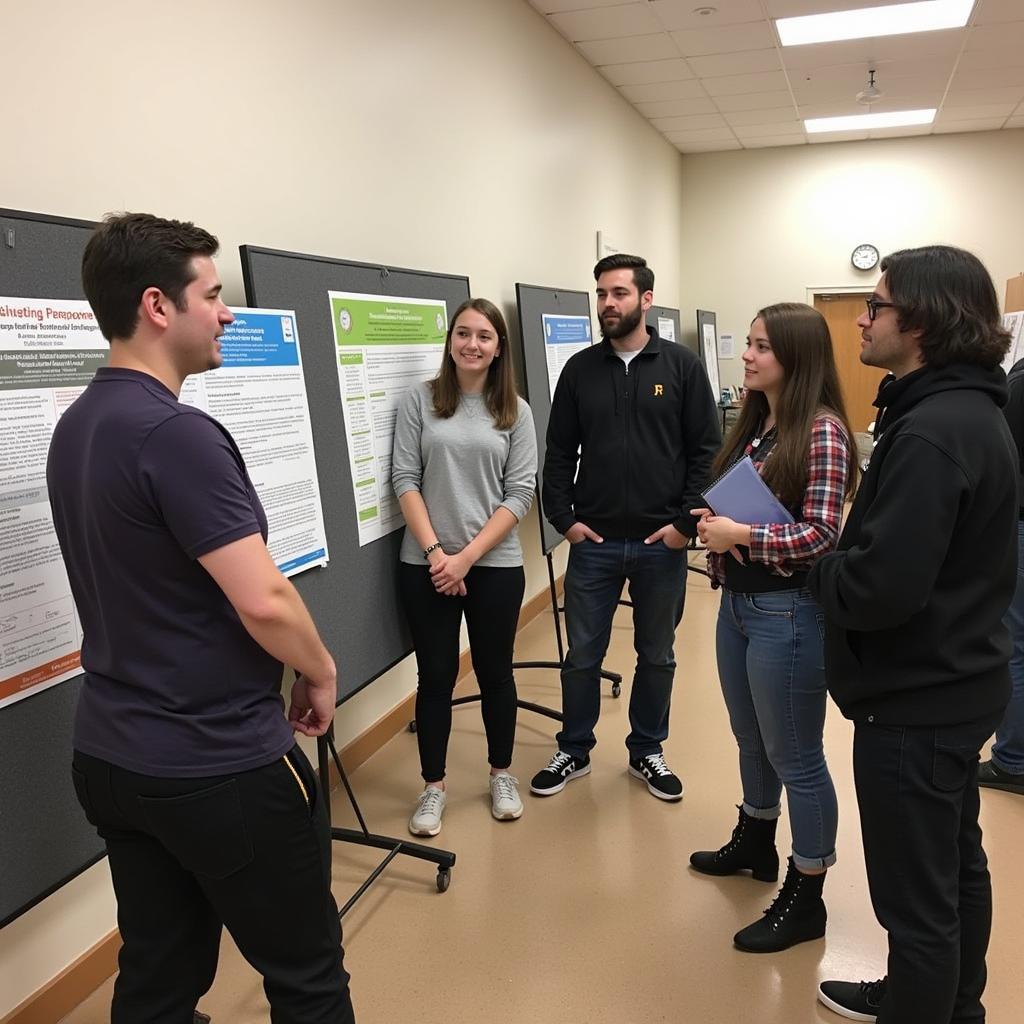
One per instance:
[(778, 140), (654, 91), (755, 101), (751, 117), (985, 112), (647, 71), (901, 133), (992, 124), (747, 62), (799, 8), (667, 125), (738, 85), (991, 58), (983, 97), (988, 78), (552, 6), (702, 135), (991, 12), (837, 137), (995, 37), (633, 19), (728, 39), (757, 131), (872, 52), (625, 51), (706, 147), (1017, 121), (682, 14), (676, 108)]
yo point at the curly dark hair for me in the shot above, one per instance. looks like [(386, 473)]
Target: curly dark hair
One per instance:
[(947, 294)]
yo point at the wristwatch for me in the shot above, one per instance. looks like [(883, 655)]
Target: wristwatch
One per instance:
[(433, 547)]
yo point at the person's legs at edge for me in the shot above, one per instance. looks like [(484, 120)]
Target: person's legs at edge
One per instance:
[(1008, 749)]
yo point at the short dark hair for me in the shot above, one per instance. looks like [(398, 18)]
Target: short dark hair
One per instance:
[(947, 294), (130, 252), (643, 276)]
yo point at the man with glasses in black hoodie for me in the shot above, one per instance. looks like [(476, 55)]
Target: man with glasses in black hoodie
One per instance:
[(916, 650)]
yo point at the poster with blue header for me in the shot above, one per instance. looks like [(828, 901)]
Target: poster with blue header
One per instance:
[(259, 395), (564, 336)]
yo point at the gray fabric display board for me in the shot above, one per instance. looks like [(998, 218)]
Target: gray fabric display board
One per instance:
[(534, 302), (354, 599), (666, 313), (45, 840)]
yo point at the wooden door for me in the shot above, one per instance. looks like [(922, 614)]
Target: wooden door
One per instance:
[(859, 382)]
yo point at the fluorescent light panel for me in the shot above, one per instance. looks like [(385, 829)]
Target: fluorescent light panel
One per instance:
[(858, 122), (867, 22)]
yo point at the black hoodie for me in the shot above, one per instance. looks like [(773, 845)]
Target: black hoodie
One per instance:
[(644, 437), (926, 566)]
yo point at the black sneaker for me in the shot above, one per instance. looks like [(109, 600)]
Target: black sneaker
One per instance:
[(993, 777), (856, 1000), (661, 780), (561, 768)]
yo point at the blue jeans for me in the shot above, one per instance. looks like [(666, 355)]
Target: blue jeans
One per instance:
[(772, 671), (1008, 749), (593, 583)]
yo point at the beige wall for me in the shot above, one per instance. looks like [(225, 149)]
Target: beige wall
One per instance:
[(458, 135), (763, 226)]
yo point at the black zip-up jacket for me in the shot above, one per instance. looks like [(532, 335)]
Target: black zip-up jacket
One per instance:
[(915, 594), (646, 438)]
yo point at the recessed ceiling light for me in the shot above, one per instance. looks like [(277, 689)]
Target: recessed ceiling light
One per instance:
[(858, 122), (867, 22)]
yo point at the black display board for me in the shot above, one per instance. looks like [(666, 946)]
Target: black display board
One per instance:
[(707, 349), (534, 302), (354, 599), (666, 313), (45, 840)]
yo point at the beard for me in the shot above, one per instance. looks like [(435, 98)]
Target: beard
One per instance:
[(627, 323)]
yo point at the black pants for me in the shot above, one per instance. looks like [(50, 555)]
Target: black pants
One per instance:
[(918, 794), (491, 606), (187, 856)]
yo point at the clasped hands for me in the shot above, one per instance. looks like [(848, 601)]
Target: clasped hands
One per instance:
[(448, 572), (721, 534)]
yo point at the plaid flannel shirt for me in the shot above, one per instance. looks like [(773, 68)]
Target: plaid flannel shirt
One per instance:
[(787, 548)]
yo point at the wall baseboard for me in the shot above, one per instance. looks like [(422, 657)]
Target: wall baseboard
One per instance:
[(59, 996)]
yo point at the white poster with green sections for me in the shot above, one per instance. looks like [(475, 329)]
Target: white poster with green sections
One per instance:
[(385, 345)]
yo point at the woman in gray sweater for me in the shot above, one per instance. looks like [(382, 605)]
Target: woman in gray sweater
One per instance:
[(464, 470)]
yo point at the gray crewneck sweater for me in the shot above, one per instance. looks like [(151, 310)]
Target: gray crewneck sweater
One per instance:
[(464, 468)]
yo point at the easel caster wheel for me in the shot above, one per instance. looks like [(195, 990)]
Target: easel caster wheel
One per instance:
[(616, 689), (412, 725), (444, 878)]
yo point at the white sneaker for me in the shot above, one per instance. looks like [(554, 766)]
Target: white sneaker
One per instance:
[(505, 802), (426, 819)]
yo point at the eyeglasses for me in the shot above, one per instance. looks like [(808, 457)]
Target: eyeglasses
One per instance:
[(874, 305)]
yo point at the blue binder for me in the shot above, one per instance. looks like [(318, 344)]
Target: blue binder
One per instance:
[(740, 494)]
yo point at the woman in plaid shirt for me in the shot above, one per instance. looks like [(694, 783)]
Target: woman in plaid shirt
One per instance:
[(794, 428)]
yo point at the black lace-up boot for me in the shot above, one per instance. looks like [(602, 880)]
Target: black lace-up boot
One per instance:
[(752, 848), (797, 914)]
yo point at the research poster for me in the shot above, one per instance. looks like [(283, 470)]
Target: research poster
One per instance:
[(564, 336), (1014, 323), (384, 346), (259, 395), (667, 328), (49, 351), (711, 359)]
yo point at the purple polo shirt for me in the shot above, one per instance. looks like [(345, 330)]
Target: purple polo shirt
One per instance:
[(141, 486)]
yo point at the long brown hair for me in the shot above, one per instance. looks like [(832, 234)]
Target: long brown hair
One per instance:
[(499, 388), (801, 342)]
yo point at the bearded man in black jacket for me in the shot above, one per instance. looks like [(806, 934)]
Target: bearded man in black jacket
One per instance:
[(916, 651)]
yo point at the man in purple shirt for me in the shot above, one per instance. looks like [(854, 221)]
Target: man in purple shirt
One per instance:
[(184, 760)]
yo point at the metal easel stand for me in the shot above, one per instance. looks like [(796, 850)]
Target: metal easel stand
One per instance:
[(444, 859), (613, 677)]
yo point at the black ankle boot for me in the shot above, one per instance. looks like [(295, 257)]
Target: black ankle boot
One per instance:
[(796, 915), (752, 847)]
